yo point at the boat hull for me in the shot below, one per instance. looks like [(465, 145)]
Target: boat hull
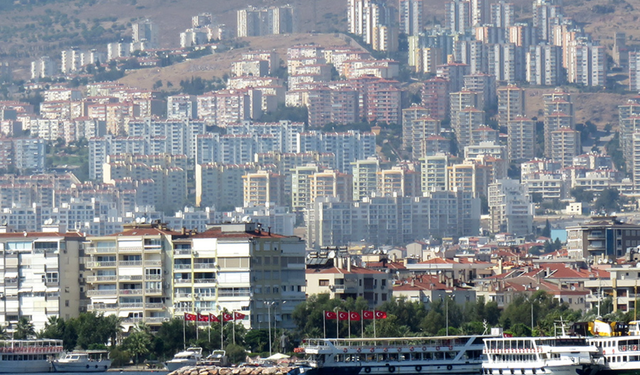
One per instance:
[(544, 370), (397, 369), (82, 367), (24, 367)]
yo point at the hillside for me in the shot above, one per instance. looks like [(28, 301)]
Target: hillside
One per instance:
[(218, 65), (45, 27)]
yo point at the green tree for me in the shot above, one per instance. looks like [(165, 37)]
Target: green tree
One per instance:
[(609, 200), (138, 343), (581, 195), (24, 329), (546, 232), (236, 353), (53, 329)]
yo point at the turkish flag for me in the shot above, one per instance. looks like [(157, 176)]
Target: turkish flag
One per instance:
[(190, 317), (354, 315), (238, 315), (227, 317), (367, 314), (330, 315), (213, 318), (203, 318), (381, 315), (343, 315)]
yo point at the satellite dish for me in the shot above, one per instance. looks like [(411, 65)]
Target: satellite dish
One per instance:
[(332, 254)]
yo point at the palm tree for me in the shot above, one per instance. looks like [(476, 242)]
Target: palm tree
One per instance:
[(114, 328), (139, 341), (24, 329)]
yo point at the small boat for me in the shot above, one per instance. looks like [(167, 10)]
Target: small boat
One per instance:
[(555, 355), (217, 358), (83, 361), (28, 356), (189, 357), (400, 355)]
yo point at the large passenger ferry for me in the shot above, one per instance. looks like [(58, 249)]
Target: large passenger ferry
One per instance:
[(28, 356), (559, 355), (402, 355)]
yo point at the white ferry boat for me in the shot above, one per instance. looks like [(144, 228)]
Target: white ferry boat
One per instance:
[(402, 355), (83, 361), (619, 347), (189, 357), (28, 356), (559, 355)]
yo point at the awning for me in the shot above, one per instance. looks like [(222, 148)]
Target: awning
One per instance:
[(25, 290), (40, 288), (10, 275), (125, 314), (53, 290)]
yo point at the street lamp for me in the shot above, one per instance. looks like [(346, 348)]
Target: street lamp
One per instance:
[(269, 304), (530, 300)]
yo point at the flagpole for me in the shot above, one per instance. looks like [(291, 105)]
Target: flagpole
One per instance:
[(222, 330), (337, 323), (349, 322), (362, 323), (184, 331), (209, 327), (324, 324), (234, 326), (374, 324), (197, 322)]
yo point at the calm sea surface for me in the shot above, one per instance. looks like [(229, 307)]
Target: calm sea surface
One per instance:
[(110, 372)]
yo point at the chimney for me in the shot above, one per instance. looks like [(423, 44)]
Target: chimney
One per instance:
[(184, 231), (269, 230), (413, 282), (348, 259)]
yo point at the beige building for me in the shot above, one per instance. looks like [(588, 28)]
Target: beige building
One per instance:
[(434, 174), (301, 186), (470, 177), (565, 145), (221, 186), (365, 177), (263, 187), (510, 104), (128, 274), (331, 183), (521, 135), (399, 181)]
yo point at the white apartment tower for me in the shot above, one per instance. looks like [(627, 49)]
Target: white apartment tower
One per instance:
[(146, 32), (510, 209), (457, 16)]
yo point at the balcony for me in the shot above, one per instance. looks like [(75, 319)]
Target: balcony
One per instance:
[(183, 295), (130, 263), (101, 279), (130, 277), (182, 266), (154, 306), (153, 263), (131, 292), (101, 250), (200, 266), (131, 305), (153, 277), (100, 264), (182, 252), (154, 291), (102, 306), (155, 320), (102, 293), (182, 281), (204, 281)]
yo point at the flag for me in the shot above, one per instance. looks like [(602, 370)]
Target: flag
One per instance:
[(330, 315), (213, 318), (343, 315), (190, 317), (203, 318), (354, 315), (367, 314), (381, 315), (238, 316), (227, 317)]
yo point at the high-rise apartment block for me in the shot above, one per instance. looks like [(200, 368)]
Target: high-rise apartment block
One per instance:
[(145, 33), (587, 64), (510, 104), (266, 21), (544, 65), (510, 208), (521, 133), (457, 16)]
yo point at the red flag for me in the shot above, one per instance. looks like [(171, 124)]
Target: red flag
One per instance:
[(343, 315), (190, 317), (330, 315), (367, 314), (354, 315), (203, 318), (238, 316), (227, 317), (381, 315), (213, 318)]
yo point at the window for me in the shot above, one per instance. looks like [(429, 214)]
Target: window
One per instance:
[(51, 277), (323, 282), (66, 303)]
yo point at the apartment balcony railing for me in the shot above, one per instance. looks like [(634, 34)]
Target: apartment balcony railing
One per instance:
[(133, 292), (94, 264), (98, 279), (106, 292)]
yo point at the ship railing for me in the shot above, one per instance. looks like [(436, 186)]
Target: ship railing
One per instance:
[(437, 343)]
